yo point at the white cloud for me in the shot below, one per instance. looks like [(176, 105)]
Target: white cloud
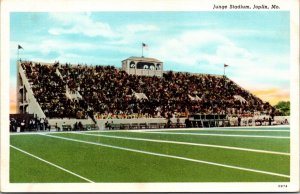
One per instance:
[(133, 28), (80, 24), (211, 49), (194, 46), (66, 51), (232, 51)]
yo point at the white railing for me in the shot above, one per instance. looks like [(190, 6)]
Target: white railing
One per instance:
[(101, 122)]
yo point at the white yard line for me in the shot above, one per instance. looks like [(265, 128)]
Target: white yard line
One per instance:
[(234, 130), (246, 128), (212, 134), (186, 143), (194, 129), (258, 128), (29, 133), (170, 156), (50, 163)]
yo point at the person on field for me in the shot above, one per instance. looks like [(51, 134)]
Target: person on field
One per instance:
[(239, 120)]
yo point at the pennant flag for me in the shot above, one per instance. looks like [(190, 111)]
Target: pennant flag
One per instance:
[(144, 45), (19, 47), (226, 65)]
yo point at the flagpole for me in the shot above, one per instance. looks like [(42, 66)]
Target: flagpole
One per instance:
[(18, 53), (225, 70), (142, 50), (224, 77)]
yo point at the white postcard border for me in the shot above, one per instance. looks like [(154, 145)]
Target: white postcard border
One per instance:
[(8, 6)]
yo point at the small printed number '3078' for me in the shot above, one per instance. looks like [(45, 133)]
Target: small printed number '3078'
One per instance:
[(282, 186)]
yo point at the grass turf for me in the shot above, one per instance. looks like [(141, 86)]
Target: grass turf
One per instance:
[(27, 169), (102, 164), (280, 145)]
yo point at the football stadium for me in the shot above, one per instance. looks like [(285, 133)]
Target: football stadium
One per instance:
[(80, 123)]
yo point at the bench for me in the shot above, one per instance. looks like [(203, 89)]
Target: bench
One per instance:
[(66, 127)]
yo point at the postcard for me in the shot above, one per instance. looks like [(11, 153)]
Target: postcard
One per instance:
[(149, 96)]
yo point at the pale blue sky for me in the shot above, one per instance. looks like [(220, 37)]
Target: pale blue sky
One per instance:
[(255, 45)]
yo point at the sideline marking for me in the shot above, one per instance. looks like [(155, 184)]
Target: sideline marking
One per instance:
[(213, 134), (170, 156), (186, 143), (271, 128), (235, 130), (59, 167)]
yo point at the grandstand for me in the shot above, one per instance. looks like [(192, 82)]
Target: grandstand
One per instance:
[(138, 95)]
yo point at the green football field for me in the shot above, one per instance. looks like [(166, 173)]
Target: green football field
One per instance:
[(259, 154)]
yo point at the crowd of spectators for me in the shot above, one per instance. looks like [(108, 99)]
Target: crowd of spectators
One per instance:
[(110, 91), (50, 91), (106, 90), (33, 124)]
